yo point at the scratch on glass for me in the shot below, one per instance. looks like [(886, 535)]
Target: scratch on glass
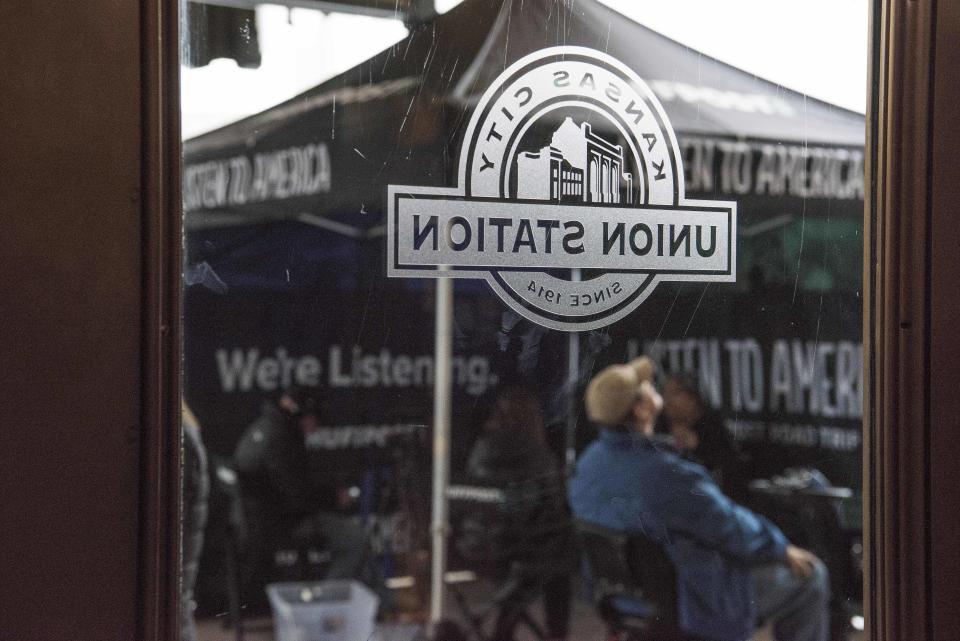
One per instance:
[(696, 309)]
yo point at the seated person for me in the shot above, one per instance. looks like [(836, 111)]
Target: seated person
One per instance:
[(513, 454), (699, 434), (282, 505), (732, 565)]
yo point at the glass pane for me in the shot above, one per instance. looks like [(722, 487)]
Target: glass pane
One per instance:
[(519, 320)]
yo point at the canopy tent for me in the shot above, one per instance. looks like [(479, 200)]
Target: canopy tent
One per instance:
[(325, 157), (397, 117)]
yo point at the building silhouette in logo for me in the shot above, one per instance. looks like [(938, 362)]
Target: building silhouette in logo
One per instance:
[(577, 166)]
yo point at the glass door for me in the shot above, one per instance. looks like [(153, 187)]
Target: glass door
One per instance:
[(478, 295)]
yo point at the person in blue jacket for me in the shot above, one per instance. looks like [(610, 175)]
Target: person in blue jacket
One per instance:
[(733, 567)]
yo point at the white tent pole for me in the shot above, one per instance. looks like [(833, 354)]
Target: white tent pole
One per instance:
[(443, 357), (573, 380), (573, 401)]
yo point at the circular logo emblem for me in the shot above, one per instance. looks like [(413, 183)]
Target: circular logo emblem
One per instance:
[(570, 198)]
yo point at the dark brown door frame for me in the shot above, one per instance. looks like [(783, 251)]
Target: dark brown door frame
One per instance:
[(90, 291), (912, 263), (89, 320), (158, 588)]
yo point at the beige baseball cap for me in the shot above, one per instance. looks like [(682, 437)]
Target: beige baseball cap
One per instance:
[(613, 391)]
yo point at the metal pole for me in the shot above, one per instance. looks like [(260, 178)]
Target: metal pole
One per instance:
[(443, 356), (573, 385), (573, 400)]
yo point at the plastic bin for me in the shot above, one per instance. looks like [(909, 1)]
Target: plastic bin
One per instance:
[(323, 611)]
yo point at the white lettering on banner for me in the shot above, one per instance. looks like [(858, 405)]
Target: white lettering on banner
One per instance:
[(746, 168), (700, 355), (828, 437), (821, 379), (245, 370), (240, 370), (746, 430), (835, 438), (269, 175), (825, 436), (746, 375), (357, 436), (797, 435)]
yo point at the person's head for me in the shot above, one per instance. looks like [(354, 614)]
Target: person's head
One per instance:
[(684, 407), (623, 397), (300, 408), (516, 409), (610, 396)]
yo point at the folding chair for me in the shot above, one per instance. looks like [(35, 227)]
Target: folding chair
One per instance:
[(634, 584)]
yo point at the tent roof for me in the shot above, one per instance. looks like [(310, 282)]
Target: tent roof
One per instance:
[(459, 53), (397, 118)]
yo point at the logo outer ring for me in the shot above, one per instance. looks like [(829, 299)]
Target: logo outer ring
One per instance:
[(641, 287)]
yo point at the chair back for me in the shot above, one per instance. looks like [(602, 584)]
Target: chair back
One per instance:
[(515, 521), (629, 572)]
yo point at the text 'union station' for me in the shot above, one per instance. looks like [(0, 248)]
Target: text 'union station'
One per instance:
[(468, 233)]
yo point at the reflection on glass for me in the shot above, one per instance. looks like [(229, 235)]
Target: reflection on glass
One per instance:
[(680, 465)]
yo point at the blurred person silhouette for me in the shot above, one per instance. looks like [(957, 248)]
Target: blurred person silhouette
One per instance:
[(282, 504), (732, 566), (196, 491), (699, 434), (537, 536)]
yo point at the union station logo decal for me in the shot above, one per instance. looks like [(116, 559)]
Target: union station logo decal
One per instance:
[(570, 198)]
